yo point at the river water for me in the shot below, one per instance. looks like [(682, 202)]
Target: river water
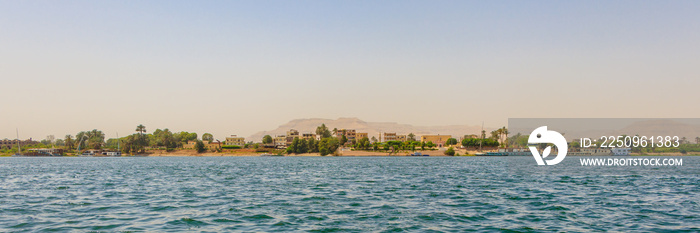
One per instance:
[(354, 194)]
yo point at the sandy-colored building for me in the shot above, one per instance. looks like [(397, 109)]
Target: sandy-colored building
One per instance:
[(235, 141), (388, 137), (438, 140), (308, 136), (400, 137), (208, 145), (189, 145), (212, 145), (359, 136), (280, 141), (291, 135), (350, 134), (8, 143)]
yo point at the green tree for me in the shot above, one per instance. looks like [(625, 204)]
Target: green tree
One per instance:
[(451, 141), (363, 143), (343, 140), (207, 137), (323, 131), (267, 139), (129, 144), (69, 142), (60, 142), (411, 137), (142, 140), (141, 129), (199, 146), (328, 146), (495, 134), (303, 146), (164, 138), (293, 148), (313, 145), (450, 152), (91, 139), (395, 146)]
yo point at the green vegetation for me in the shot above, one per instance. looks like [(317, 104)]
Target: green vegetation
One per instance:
[(267, 139), (68, 141), (328, 146), (451, 141), (313, 145), (362, 144), (90, 139), (450, 152), (199, 146), (411, 137), (476, 142), (207, 137), (231, 147), (323, 131)]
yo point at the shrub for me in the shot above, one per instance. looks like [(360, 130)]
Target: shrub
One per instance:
[(199, 146), (450, 151)]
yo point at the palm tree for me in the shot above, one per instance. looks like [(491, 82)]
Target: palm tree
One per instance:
[(505, 132), (411, 137), (69, 142), (141, 129), (495, 134)]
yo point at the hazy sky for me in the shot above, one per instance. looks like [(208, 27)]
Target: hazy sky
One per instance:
[(239, 67)]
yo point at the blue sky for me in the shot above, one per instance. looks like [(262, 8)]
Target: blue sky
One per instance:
[(238, 67)]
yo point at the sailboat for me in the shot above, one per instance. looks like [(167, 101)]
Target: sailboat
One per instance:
[(19, 148)]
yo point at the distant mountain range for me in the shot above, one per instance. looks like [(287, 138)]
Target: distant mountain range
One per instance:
[(372, 128)]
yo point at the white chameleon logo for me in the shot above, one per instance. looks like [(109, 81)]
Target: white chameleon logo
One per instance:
[(542, 135)]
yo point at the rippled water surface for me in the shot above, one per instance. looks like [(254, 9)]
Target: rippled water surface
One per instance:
[(328, 194)]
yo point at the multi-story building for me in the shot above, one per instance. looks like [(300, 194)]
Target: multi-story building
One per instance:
[(291, 135), (208, 145), (235, 141), (7, 143), (308, 136), (212, 145), (189, 145), (400, 137), (359, 136), (389, 137), (438, 140), (350, 134), (280, 141)]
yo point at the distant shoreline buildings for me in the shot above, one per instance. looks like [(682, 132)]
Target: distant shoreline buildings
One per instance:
[(10, 143)]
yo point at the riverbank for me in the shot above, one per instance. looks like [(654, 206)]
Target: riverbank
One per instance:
[(342, 152)]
